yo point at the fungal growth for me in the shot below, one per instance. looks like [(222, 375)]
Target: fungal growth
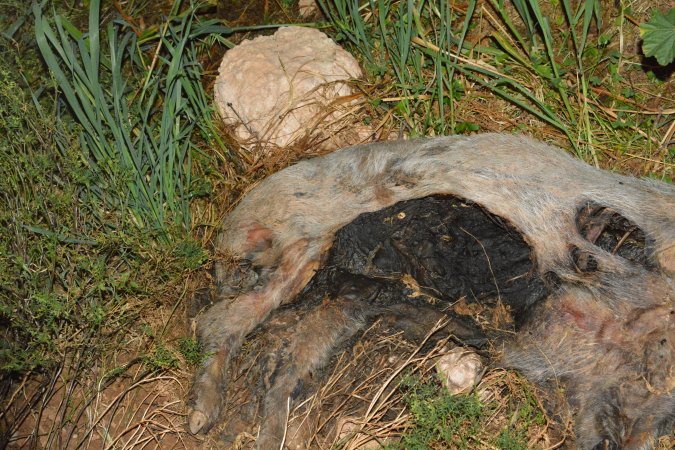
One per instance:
[(579, 259)]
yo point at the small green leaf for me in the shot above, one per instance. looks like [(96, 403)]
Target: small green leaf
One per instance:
[(466, 127), (658, 37)]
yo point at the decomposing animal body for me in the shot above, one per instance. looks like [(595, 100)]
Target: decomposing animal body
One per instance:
[(584, 259)]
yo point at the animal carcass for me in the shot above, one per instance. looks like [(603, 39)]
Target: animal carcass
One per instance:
[(584, 259)]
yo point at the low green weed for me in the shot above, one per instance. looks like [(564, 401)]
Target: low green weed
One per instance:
[(440, 420), (161, 358), (191, 350)]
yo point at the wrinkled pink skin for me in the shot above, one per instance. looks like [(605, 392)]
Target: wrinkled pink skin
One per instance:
[(607, 336)]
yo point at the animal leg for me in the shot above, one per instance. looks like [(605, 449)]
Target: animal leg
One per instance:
[(224, 326), (325, 328), (416, 322), (319, 333)]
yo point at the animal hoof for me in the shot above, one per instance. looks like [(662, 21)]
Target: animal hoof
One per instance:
[(197, 422)]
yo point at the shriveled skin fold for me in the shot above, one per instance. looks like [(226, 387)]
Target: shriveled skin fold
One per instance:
[(606, 333)]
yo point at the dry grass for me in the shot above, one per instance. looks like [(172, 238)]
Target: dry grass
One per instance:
[(364, 399)]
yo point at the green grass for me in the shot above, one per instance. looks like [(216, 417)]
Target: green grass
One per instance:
[(441, 419), (137, 101), (96, 146), (106, 140), (556, 62)]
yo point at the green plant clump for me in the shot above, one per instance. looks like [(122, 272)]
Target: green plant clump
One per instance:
[(95, 185), (440, 420), (555, 62), (136, 109), (88, 191), (191, 350)]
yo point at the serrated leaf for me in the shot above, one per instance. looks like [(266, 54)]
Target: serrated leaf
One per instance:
[(658, 37)]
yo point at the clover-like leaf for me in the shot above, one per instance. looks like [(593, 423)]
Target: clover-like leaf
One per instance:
[(658, 37)]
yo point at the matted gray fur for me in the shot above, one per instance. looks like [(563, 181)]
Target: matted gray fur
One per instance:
[(607, 335)]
